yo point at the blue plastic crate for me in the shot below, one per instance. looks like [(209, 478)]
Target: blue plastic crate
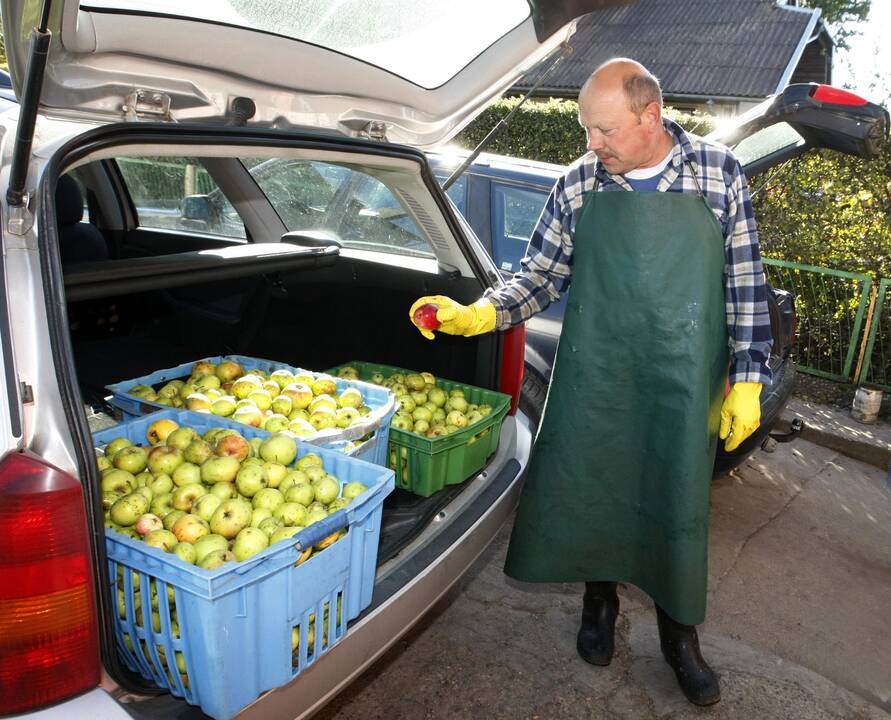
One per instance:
[(247, 609), (381, 401)]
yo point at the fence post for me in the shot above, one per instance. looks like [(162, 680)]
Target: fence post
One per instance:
[(865, 342)]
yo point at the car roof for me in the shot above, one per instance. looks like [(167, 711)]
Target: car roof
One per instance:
[(493, 165)]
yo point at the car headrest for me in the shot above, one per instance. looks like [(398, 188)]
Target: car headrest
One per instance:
[(69, 201)]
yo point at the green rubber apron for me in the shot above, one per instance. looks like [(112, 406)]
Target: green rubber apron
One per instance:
[(618, 483)]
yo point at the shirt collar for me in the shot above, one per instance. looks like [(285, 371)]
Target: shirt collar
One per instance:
[(683, 152)]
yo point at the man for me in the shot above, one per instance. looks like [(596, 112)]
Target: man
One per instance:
[(657, 231)]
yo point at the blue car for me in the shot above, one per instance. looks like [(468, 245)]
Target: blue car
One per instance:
[(502, 198)]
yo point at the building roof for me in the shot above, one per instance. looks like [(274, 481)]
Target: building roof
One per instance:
[(700, 48)]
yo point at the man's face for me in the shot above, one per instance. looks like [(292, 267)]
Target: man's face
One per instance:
[(621, 140)]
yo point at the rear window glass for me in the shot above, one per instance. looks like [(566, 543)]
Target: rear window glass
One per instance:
[(179, 194), (405, 37), (765, 142), (347, 201)]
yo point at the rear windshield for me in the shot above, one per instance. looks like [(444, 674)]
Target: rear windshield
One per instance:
[(427, 42)]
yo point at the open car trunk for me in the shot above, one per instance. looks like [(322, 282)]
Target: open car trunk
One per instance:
[(148, 299)]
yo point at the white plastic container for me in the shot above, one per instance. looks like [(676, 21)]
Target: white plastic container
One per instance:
[(866, 405)]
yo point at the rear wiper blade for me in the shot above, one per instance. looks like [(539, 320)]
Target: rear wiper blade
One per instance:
[(562, 52)]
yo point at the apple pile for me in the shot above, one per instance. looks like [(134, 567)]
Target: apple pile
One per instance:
[(216, 498), (423, 407), (277, 401)]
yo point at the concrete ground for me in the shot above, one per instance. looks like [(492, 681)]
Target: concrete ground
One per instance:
[(798, 618)]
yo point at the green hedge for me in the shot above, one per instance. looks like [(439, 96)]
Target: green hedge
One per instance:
[(823, 208)]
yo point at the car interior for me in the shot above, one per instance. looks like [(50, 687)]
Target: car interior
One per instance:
[(152, 283)]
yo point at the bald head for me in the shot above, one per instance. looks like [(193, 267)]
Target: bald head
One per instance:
[(620, 108), (622, 76)]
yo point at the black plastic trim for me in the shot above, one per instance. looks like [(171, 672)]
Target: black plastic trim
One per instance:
[(394, 582)]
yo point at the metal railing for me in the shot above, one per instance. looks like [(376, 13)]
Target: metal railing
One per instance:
[(830, 306), (875, 369)]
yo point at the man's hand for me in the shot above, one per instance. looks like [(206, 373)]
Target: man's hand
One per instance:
[(740, 413), (455, 318)]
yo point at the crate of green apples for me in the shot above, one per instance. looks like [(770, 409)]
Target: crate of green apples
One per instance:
[(221, 540), (443, 431), (272, 396)]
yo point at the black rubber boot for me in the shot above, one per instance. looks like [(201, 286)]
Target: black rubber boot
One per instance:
[(597, 635), (680, 648)]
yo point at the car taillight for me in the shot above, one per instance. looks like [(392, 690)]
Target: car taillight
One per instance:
[(836, 96), (513, 361), (49, 646)]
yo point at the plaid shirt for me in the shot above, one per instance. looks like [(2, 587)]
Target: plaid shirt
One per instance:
[(547, 268)]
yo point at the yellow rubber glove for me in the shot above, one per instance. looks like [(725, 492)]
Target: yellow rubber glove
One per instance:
[(457, 319), (740, 413)]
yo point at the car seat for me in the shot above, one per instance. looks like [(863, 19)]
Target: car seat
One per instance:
[(79, 242)]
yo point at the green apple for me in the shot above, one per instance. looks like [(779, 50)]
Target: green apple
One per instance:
[(301, 394), (456, 418), (161, 484), (198, 402), (353, 490), (159, 430), (351, 397), (260, 514), (346, 416), (428, 378), (249, 542), (337, 504), (223, 406), (325, 490), (181, 437), (401, 422), (457, 402), (190, 528), (313, 515), (185, 552), (171, 389), (282, 405), (290, 513), (162, 539), (437, 396), (309, 460), (323, 401), (283, 533), (269, 525), (315, 473), (302, 494), (143, 479), (220, 469), (275, 423), (250, 480), (119, 481), (216, 559), (103, 463), (205, 506), (186, 474), (230, 518), (198, 451), (162, 504), (292, 478), (145, 492), (268, 498), (126, 511), (170, 518), (248, 415), (421, 426), (209, 543), (262, 398), (301, 427), (439, 416), (279, 448), (422, 413), (109, 499), (186, 495), (323, 418), (229, 370), (348, 372), (164, 459), (406, 404), (281, 377), (207, 381), (245, 385), (224, 490), (456, 392), (132, 458), (377, 378)]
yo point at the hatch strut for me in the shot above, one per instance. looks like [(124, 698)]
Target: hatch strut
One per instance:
[(18, 174), (562, 51)]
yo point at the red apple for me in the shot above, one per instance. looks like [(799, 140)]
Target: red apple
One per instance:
[(425, 317)]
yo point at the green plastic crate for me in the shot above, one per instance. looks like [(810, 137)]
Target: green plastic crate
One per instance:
[(426, 465)]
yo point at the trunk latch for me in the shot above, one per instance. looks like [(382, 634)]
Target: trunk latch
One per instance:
[(142, 104)]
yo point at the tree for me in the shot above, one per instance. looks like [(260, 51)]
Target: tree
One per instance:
[(841, 17)]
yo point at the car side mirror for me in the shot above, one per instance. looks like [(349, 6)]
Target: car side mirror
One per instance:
[(196, 207)]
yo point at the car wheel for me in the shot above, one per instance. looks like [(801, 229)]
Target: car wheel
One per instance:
[(532, 395)]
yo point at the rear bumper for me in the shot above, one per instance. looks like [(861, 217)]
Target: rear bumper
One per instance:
[(92, 705)]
